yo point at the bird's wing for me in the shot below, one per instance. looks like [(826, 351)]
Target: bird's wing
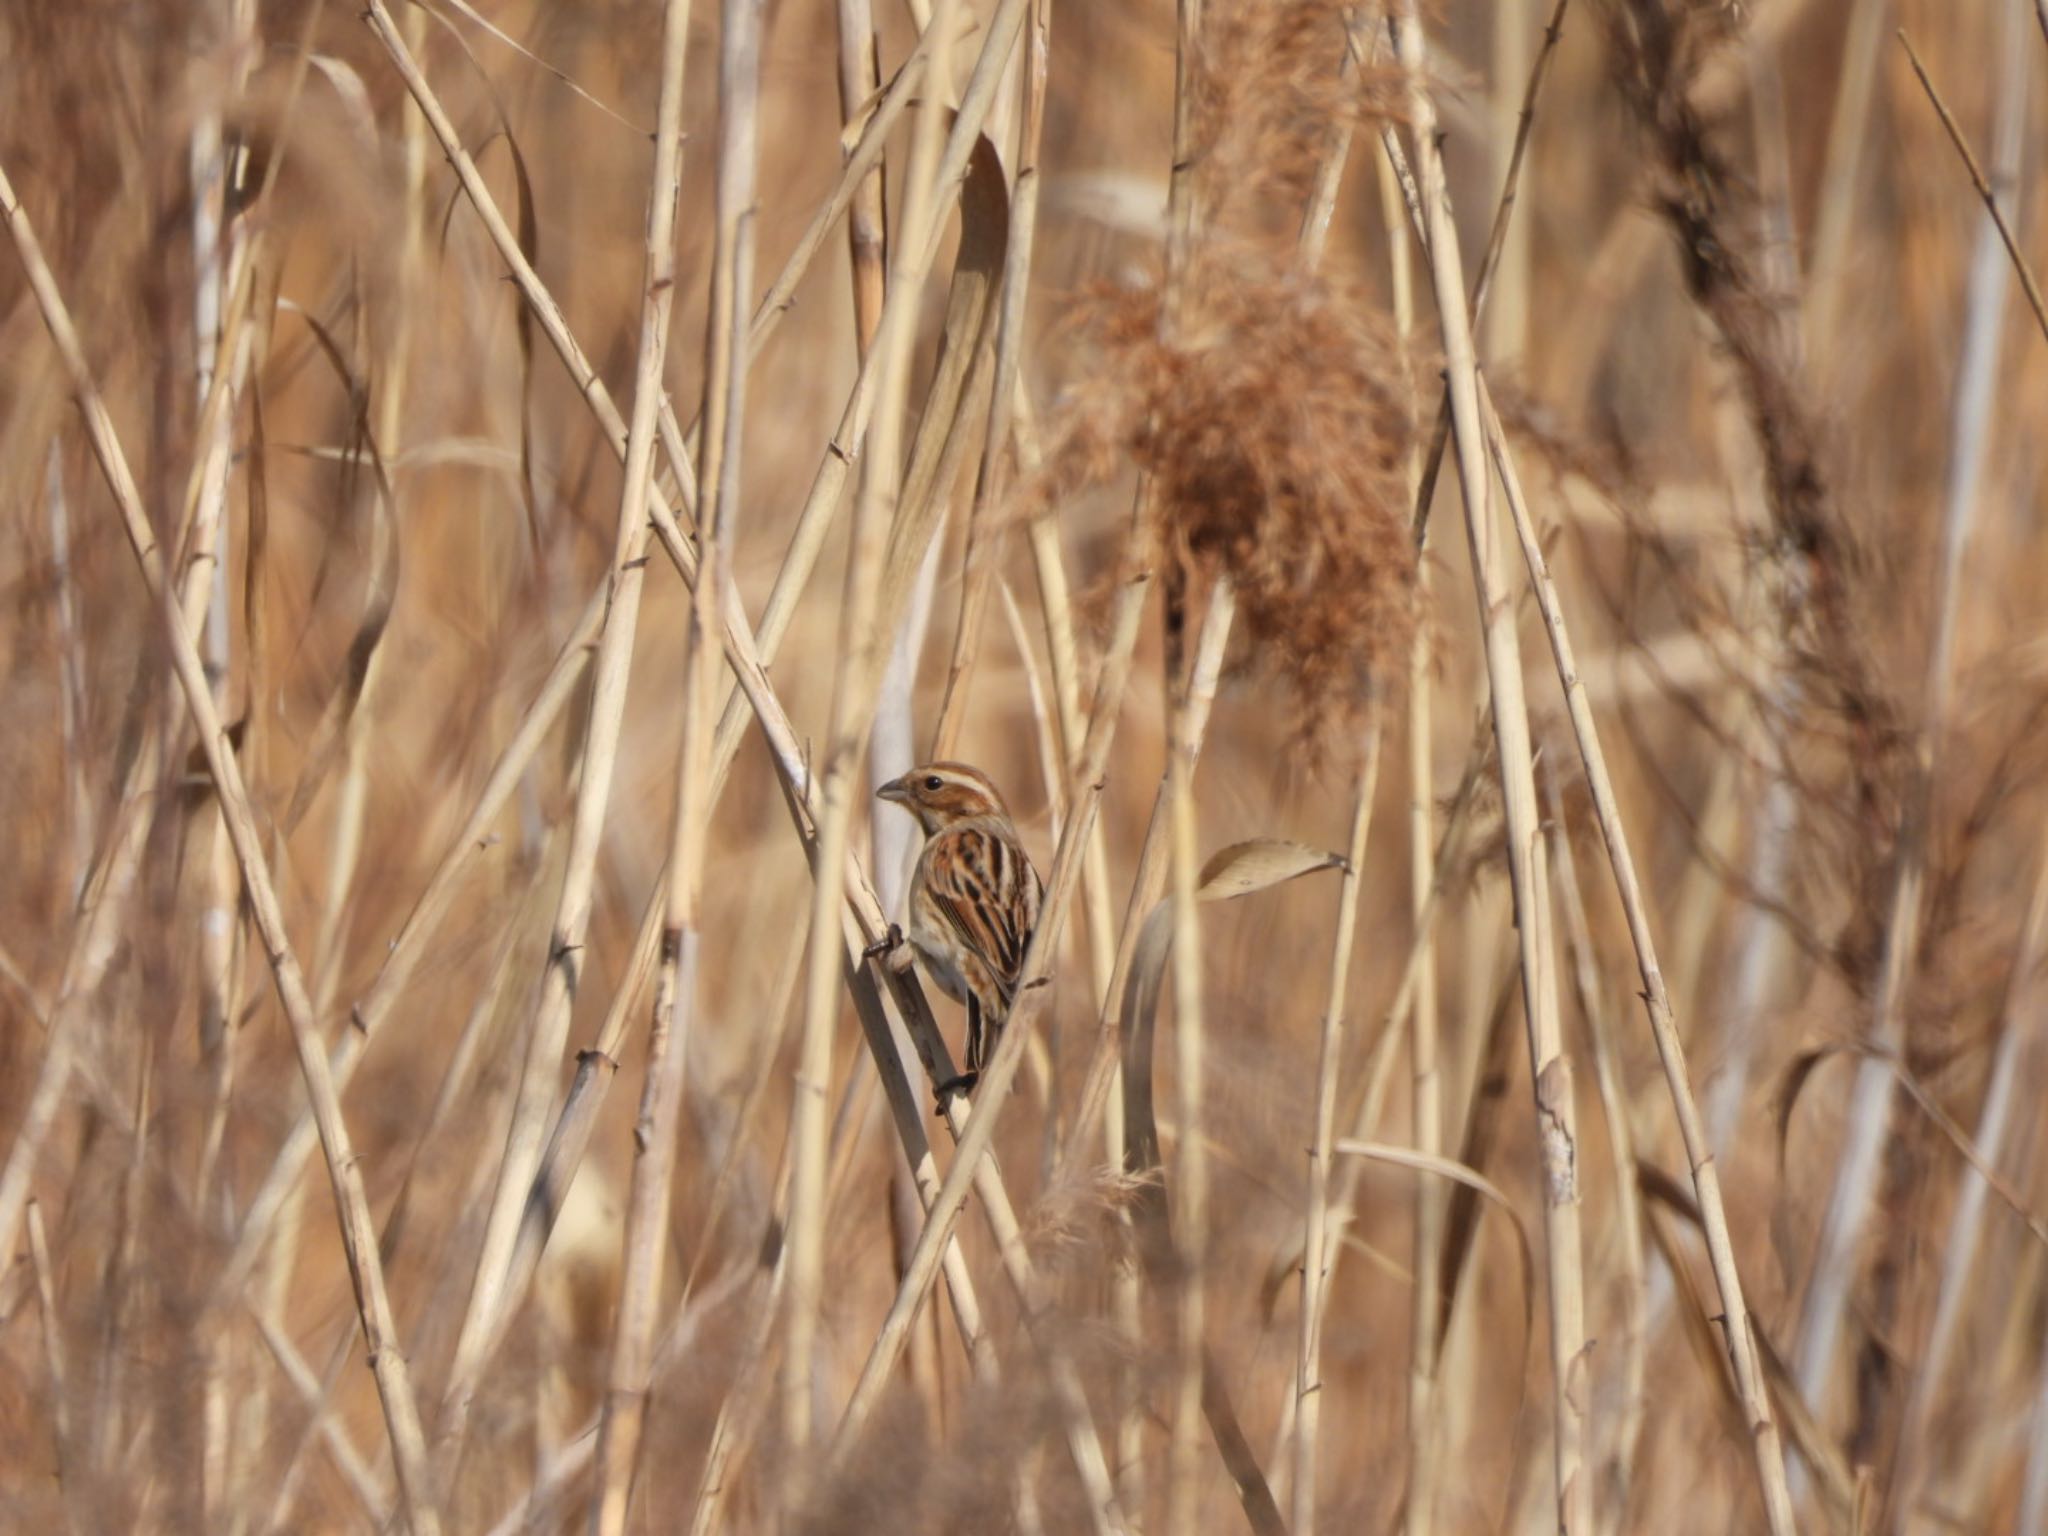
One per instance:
[(984, 886)]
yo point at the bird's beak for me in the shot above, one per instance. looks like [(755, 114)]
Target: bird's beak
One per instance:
[(895, 790)]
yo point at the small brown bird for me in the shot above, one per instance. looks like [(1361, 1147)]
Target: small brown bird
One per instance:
[(974, 899)]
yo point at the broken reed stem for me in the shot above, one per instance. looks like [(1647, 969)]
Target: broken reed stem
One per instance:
[(394, 1386), (1550, 1065), (1739, 1328), (1308, 1385), (674, 993)]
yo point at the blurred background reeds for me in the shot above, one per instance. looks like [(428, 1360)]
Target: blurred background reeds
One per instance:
[(1497, 553)]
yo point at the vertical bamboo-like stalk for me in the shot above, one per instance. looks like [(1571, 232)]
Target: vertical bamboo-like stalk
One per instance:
[(1594, 1008), (218, 248), (1868, 1122), (874, 512), (1550, 1065), (1426, 1090), (1506, 321), (1191, 1162), (646, 1236), (394, 1383), (1308, 1386)]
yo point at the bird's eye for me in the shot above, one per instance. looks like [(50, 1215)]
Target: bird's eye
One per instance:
[(934, 782)]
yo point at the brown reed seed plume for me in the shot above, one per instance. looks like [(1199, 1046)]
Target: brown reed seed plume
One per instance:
[(1275, 429)]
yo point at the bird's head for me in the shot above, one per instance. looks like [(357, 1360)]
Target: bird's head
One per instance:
[(940, 794)]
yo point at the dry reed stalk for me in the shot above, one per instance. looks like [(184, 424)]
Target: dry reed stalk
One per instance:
[(394, 1386), (646, 1230), (492, 1002), (52, 1321), (112, 1401), (1848, 136), (1504, 332), (313, 1393), (219, 246), (1376, 1070), (72, 653), (1187, 711), (1191, 1163), (1595, 1009), (1496, 241), (1308, 1385), (1426, 1090), (2002, 171), (860, 80), (874, 511), (991, 484), (1739, 1327), (845, 447), (1147, 885), (1309, 245), (1550, 1064), (1869, 1116)]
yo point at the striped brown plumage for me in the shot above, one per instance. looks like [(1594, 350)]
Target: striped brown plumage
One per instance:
[(974, 898)]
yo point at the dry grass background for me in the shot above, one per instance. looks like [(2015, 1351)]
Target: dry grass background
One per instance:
[(1763, 372)]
